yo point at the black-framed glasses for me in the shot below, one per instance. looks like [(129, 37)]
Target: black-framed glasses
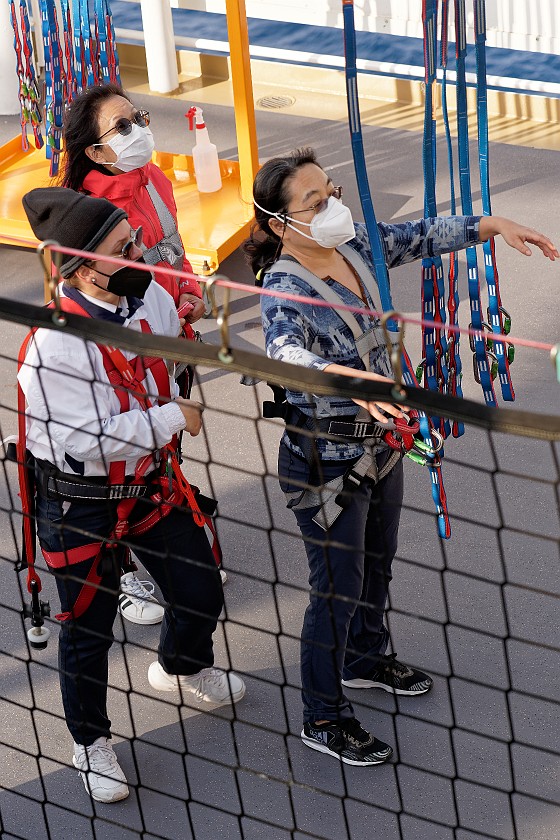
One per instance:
[(135, 239), (124, 126), (321, 205)]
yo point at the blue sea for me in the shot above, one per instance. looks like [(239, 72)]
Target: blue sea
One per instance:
[(327, 41)]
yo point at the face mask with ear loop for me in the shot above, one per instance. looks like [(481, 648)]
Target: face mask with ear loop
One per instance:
[(330, 228), (128, 281), (133, 150)]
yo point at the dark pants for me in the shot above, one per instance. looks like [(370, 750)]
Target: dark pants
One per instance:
[(177, 554), (350, 569)]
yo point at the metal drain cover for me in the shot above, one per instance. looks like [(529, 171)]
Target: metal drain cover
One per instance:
[(275, 101)]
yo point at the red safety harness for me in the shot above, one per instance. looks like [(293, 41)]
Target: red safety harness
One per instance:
[(126, 377)]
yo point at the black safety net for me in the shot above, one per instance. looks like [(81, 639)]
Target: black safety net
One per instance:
[(475, 758)]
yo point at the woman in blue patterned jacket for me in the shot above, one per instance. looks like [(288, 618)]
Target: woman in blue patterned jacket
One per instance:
[(306, 243)]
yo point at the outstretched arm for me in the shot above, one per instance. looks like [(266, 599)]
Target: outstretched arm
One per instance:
[(516, 236)]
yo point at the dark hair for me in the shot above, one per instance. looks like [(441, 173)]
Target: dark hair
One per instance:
[(270, 190), (80, 131)]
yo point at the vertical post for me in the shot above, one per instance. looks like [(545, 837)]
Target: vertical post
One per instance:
[(243, 104), (9, 89), (159, 41)]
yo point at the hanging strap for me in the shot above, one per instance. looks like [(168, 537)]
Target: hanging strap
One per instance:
[(378, 254), (454, 364), (31, 92), (169, 249), (497, 317), (482, 364), (434, 342)]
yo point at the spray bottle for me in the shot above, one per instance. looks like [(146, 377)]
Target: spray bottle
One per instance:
[(204, 153)]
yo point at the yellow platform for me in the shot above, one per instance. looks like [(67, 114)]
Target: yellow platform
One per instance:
[(212, 225)]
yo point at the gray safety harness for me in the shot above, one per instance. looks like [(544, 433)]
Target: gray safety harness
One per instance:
[(169, 249), (333, 496)]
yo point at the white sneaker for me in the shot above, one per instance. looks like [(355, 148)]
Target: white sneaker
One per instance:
[(98, 766), (137, 602), (211, 685)]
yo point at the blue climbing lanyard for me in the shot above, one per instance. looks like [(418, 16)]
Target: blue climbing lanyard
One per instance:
[(434, 340), (482, 362), (53, 83), (106, 49), (454, 364), (498, 318), (381, 273)]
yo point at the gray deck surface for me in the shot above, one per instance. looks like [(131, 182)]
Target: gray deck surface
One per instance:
[(487, 630)]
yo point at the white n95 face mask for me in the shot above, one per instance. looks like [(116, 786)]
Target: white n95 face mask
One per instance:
[(333, 226), (134, 150), (330, 228)]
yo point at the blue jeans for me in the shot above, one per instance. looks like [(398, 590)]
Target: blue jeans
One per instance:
[(176, 552), (343, 633)]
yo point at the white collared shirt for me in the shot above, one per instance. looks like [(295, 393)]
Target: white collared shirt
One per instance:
[(73, 410)]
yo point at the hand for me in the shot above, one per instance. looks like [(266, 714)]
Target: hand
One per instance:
[(378, 410), (381, 411), (198, 309), (517, 235), (192, 412)]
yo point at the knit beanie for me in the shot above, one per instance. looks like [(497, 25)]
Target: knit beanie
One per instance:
[(72, 219)]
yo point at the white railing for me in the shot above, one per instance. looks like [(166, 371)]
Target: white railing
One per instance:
[(532, 25)]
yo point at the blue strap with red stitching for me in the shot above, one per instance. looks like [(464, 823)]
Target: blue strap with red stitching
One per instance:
[(382, 276)]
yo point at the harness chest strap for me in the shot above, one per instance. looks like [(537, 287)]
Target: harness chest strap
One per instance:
[(366, 340), (169, 248), (125, 381)]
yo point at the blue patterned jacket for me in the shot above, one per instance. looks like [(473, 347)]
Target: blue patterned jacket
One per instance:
[(316, 337)]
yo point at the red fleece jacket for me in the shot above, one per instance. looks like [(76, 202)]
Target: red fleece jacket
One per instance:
[(128, 191)]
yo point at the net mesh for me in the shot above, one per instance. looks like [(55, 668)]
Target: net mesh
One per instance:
[(477, 757)]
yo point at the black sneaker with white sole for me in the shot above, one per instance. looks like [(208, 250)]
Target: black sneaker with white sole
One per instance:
[(395, 677), (347, 741)]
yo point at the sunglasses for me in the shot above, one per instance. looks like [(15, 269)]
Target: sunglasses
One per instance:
[(135, 239), (124, 126)]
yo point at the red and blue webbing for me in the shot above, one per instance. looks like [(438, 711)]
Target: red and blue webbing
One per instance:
[(24, 114), (112, 52), (495, 310), (482, 363), (53, 83), (30, 79), (79, 47), (382, 276), (454, 364), (70, 84), (101, 39), (434, 341), (89, 70), (107, 50)]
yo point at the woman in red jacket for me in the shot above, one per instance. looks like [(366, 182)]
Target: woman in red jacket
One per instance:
[(108, 154)]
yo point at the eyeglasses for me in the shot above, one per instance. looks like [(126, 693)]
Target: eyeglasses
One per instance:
[(124, 126), (321, 205), (135, 239)]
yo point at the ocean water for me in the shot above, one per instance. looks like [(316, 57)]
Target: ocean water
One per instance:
[(327, 41)]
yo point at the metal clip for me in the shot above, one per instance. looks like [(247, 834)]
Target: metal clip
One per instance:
[(395, 350), (224, 354), (52, 281)]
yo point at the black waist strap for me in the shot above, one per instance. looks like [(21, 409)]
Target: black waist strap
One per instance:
[(61, 488), (343, 426)]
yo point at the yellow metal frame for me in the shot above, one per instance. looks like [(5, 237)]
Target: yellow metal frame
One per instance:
[(212, 225)]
